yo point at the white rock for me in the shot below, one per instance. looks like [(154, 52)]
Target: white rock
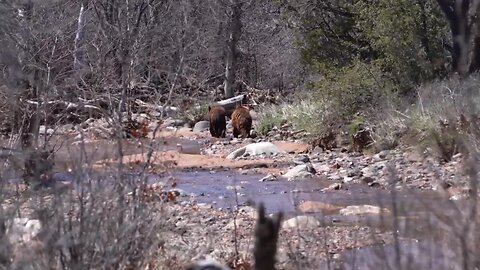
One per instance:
[(23, 229), (363, 210), (334, 186), (208, 264), (300, 171), (237, 187), (201, 126), (301, 221), (269, 177), (254, 149), (43, 130)]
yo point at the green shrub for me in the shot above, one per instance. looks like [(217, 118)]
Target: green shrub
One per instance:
[(353, 89), (268, 121), (197, 113), (303, 114)]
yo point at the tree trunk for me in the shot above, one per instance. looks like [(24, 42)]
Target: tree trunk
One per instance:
[(475, 62), (79, 60), (456, 13), (30, 127), (234, 36)]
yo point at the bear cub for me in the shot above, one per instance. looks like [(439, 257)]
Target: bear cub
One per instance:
[(218, 124), (241, 122)]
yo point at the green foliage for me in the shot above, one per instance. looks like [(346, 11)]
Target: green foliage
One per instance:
[(197, 113), (267, 122), (309, 115), (353, 88), (355, 124), (407, 37), (362, 47), (328, 37)]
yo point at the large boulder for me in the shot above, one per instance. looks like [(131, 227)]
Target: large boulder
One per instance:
[(300, 172), (261, 148), (201, 126)]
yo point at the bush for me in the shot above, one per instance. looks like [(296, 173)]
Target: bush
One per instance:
[(267, 121), (197, 113), (353, 89), (402, 39), (303, 114), (443, 114)]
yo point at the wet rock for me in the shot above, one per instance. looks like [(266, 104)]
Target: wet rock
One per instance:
[(354, 173), (347, 179), (335, 177), (367, 180), (300, 171), (254, 149), (335, 186), (192, 148), (301, 159), (269, 177), (174, 123), (318, 207), (374, 184), (23, 229), (382, 155), (234, 187), (301, 222), (254, 166), (201, 126), (180, 192), (363, 210)]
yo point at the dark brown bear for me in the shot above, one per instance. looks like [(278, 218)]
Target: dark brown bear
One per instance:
[(218, 124), (241, 122)]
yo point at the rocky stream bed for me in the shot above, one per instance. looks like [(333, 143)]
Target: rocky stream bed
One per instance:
[(342, 210)]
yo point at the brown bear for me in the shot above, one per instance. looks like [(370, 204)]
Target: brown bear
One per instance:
[(218, 124), (241, 122)]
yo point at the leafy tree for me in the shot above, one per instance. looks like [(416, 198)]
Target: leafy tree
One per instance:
[(406, 37), (464, 22), (402, 37)]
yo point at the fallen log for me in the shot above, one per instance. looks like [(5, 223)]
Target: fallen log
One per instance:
[(230, 104)]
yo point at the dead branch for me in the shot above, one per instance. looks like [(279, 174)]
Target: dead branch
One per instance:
[(266, 238)]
